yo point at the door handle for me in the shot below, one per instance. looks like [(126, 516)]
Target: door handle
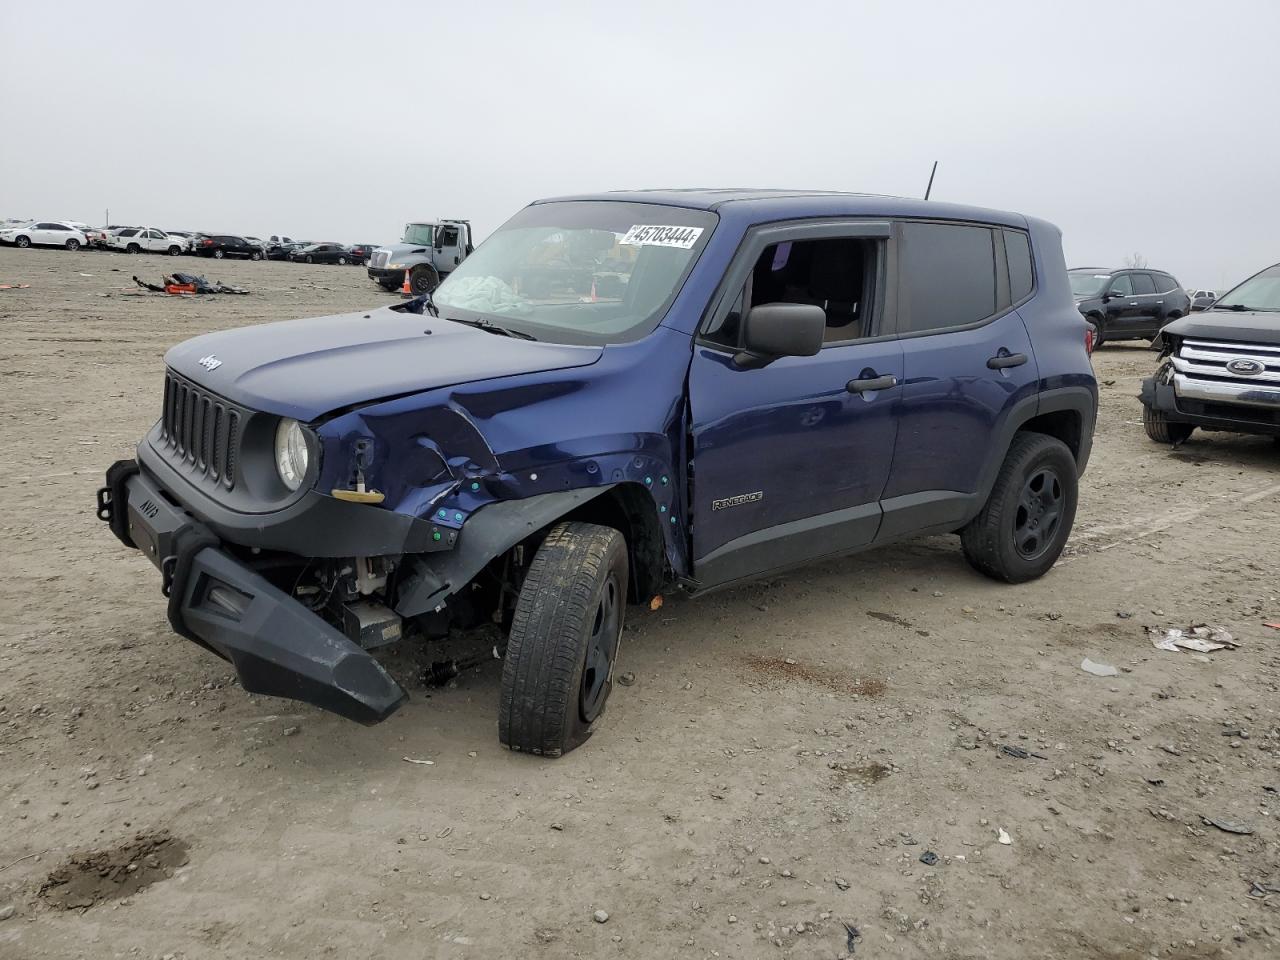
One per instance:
[(870, 384), (1002, 360)]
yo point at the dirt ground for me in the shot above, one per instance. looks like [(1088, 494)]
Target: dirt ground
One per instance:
[(788, 754)]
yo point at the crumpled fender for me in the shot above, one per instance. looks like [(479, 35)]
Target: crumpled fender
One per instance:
[(490, 532)]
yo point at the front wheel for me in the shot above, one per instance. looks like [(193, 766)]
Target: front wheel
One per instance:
[(23, 242), (1026, 520), (256, 255), (310, 259), (1098, 338), (1163, 430), (558, 671), (73, 245), (423, 279)]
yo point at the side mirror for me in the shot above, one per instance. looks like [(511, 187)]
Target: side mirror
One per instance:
[(774, 330)]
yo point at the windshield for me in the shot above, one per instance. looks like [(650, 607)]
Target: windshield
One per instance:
[(580, 271), (1259, 292), (1087, 283), (418, 234)]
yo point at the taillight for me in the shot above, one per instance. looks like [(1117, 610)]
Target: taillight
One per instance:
[(1088, 340), (206, 243)]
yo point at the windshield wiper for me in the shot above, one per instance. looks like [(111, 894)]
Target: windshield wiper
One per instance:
[(489, 327)]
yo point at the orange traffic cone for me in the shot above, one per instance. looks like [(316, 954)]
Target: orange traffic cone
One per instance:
[(593, 289), (407, 289)]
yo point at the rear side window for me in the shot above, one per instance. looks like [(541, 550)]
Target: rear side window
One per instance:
[(1165, 283), (1142, 284), (1017, 247), (949, 276), (128, 233)]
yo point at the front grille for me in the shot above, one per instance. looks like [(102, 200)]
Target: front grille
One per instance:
[(201, 430), (379, 258), (1210, 359)]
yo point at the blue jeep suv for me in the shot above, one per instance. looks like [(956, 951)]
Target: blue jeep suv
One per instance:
[(614, 395)]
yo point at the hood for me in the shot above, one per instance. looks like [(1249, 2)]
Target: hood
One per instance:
[(404, 250), (1244, 326), (306, 368)]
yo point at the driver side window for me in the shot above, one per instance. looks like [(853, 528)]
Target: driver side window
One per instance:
[(1121, 286), (837, 274)]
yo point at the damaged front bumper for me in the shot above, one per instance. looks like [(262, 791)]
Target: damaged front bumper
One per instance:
[(277, 645), (1228, 407)]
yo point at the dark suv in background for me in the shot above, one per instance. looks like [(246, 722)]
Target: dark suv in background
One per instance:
[(221, 245), (845, 371), (1128, 304)]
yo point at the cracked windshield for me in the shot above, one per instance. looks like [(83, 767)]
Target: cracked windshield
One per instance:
[(576, 272)]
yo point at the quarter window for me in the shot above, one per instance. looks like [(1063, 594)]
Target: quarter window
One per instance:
[(948, 276), (1017, 247)]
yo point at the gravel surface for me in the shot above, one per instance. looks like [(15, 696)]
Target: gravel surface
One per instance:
[(768, 785)]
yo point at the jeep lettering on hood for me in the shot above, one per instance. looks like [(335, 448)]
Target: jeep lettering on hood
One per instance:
[(306, 368)]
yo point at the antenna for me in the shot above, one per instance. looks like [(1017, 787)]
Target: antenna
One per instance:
[(929, 188)]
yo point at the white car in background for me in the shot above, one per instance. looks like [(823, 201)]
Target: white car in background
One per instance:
[(146, 240), (44, 233)]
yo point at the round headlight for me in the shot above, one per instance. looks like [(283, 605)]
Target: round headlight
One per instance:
[(291, 453)]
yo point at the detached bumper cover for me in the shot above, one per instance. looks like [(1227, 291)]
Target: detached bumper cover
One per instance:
[(277, 645)]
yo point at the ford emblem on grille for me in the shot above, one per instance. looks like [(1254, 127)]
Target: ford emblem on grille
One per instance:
[(213, 363), (1244, 367)]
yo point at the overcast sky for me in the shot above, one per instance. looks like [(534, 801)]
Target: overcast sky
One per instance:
[(1135, 126)]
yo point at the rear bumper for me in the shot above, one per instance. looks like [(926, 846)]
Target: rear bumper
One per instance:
[(278, 646), (1215, 406)]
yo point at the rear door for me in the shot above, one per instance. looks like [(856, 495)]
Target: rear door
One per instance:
[(789, 460), (967, 362)]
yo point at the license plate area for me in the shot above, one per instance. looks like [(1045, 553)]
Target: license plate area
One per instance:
[(153, 522)]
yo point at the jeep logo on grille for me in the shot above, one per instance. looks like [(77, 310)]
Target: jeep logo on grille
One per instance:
[(210, 362), (1244, 367)]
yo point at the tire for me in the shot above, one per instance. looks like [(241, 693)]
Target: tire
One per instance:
[(73, 245), (133, 248), (558, 671), (219, 254), (423, 279), (23, 242), (1098, 338), (1163, 430), (256, 255), (1026, 520), (310, 259), (342, 261), (174, 251)]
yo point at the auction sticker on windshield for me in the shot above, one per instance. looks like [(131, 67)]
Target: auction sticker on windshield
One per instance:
[(648, 235)]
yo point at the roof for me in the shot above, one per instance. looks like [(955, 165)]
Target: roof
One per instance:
[(762, 205)]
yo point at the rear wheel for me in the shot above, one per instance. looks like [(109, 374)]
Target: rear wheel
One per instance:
[(219, 254), (133, 248), (342, 261), (558, 671), (1026, 520), (1163, 430), (73, 244)]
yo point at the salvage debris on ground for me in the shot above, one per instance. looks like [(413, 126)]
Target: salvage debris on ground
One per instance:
[(1199, 637), (188, 284), (116, 872)]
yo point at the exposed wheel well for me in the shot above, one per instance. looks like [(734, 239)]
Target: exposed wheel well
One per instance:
[(630, 509), (1063, 424)]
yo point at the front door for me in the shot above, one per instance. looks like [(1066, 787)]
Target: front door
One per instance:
[(789, 460), (448, 252), (1120, 306)]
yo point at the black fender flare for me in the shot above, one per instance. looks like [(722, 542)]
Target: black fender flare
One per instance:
[(490, 532), (1079, 399)]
